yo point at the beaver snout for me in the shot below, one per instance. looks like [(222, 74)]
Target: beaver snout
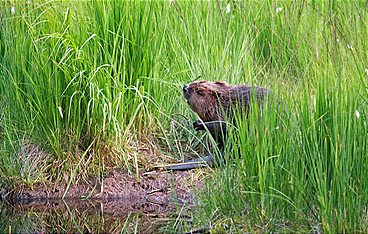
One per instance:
[(186, 91)]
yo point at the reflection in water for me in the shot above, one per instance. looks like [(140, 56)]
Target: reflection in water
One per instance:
[(78, 216)]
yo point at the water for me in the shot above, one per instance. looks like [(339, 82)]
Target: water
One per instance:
[(83, 216), (159, 202)]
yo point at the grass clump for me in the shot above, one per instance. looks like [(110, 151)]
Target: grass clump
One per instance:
[(77, 85)]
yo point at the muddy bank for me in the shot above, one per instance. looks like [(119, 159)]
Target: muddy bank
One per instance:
[(159, 187)]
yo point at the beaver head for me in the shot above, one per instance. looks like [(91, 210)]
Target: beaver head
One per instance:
[(206, 98)]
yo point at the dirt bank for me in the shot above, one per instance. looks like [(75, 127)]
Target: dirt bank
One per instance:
[(159, 187)]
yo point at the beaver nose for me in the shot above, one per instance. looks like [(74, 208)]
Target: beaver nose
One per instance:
[(185, 88)]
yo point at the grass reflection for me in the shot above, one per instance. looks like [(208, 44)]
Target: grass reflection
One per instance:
[(80, 216)]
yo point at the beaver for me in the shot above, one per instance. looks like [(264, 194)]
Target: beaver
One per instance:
[(215, 103)]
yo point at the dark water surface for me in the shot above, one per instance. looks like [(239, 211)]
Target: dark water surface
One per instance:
[(82, 216)]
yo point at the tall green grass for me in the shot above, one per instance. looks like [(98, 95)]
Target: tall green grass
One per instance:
[(83, 84), (309, 172), (78, 83)]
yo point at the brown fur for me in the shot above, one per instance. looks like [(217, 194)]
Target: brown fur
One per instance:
[(213, 101)]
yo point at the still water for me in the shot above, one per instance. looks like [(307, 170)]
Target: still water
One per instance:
[(83, 216)]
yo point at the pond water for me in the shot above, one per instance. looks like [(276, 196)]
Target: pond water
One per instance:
[(83, 216)]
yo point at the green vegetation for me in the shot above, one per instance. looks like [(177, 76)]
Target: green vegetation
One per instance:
[(82, 84)]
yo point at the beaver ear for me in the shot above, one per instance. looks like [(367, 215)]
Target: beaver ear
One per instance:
[(220, 83)]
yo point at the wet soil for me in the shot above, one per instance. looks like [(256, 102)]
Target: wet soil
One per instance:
[(151, 184), (159, 187)]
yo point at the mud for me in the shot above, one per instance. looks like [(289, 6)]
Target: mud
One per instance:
[(159, 187)]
